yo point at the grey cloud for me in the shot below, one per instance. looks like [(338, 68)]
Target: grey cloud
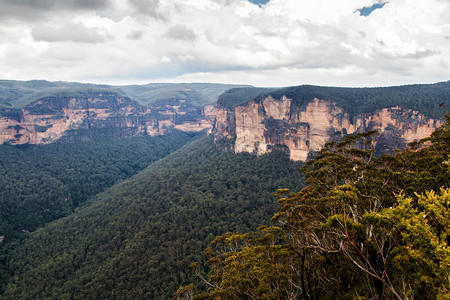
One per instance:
[(135, 35), (413, 56), (55, 4), (421, 54), (179, 68), (362, 34), (227, 2), (181, 32), (75, 32), (34, 10), (148, 8)]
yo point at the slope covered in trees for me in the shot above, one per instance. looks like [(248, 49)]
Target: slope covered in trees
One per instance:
[(197, 94), (376, 228), (236, 96), (42, 183), (17, 94), (138, 238), (425, 98)]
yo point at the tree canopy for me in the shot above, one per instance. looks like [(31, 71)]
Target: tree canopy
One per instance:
[(137, 239), (363, 227)]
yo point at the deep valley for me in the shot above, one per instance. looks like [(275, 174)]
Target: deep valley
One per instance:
[(112, 192)]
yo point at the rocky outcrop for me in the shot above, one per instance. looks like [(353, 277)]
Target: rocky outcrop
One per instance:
[(301, 129), (298, 128), (62, 118)]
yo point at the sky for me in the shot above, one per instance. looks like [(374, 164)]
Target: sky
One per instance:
[(263, 43)]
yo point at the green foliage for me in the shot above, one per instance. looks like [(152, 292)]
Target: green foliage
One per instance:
[(11, 113), (425, 98), (348, 234), (234, 97), (185, 292), (424, 230), (40, 184), (45, 182), (138, 238), (17, 94), (251, 266), (197, 94)]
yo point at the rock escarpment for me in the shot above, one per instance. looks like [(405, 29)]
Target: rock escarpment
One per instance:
[(296, 120), (300, 129), (61, 118)]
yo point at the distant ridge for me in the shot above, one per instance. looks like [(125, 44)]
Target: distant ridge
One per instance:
[(17, 94), (424, 98)]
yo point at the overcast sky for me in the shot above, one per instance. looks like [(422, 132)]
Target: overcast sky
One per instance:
[(279, 43)]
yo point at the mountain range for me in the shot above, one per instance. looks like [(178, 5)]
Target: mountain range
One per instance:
[(296, 120), (113, 191)]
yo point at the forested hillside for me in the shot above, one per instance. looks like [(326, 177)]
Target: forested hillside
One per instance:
[(138, 238), (40, 184), (363, 227), (234, 97), (197, 94), (424, 98), (17, 94)]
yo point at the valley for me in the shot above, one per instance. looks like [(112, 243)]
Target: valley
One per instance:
[(137, 239), (113, 191)]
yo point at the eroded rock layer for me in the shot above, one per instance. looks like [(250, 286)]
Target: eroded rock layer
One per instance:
[(51, 119), (261, 126)]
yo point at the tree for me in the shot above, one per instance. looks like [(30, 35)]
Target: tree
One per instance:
[(423, 249), (251, 266), (364, 226)]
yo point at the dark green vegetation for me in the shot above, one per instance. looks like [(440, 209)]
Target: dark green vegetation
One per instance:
[(42, 183), (425, 98), (138, 238), (234, 97), (364, 227), (18, 94), (338, 237), (197, 94)]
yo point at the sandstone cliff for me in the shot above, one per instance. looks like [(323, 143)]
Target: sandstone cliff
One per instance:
[(300, 129), (63, 117), (296, 120)]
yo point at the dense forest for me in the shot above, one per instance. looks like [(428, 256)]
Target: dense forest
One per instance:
[(138, 238), (18, 94), (425, 98), (74, 225), (42, 183), (197, 94), (234, 97), (362, 228)]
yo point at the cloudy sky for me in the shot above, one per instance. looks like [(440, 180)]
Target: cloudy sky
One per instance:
[(259, 42)]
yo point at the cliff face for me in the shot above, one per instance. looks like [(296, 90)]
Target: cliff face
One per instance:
[(300, 129), (56, 118), (258, 127)]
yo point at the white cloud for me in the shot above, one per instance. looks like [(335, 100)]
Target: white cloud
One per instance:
[(284, 42)]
